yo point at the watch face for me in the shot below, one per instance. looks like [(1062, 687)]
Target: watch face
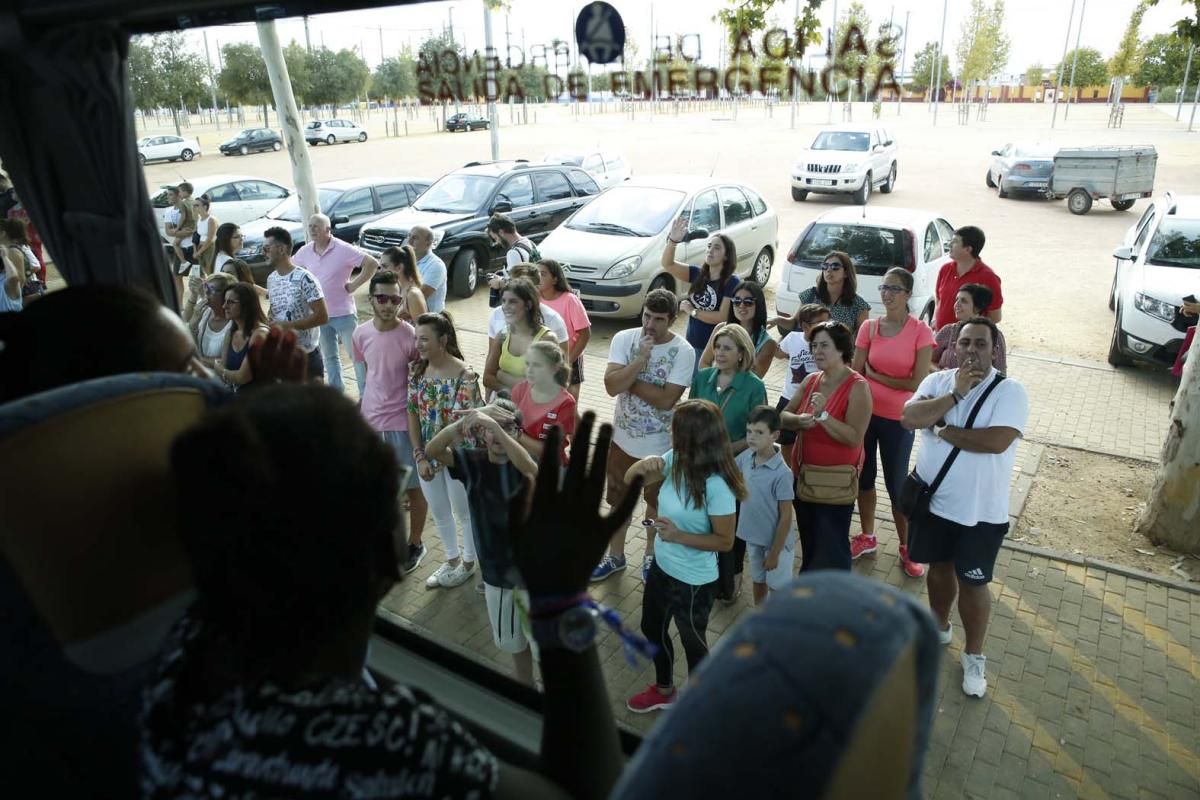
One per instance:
[(577, 628)]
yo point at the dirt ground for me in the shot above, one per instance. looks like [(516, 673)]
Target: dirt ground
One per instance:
[(1086, 504)]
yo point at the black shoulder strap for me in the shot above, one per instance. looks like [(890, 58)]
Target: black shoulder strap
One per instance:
[(970, 422)]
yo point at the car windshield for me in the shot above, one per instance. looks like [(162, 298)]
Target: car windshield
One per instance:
[(143, 141), (289, 209), (457, 194), (629, 211), (246, 132), (1176, 244), (563, 158), (874, 250), (842, 140), (316, 124)]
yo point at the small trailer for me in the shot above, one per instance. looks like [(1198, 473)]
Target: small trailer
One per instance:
[(1122, 174)]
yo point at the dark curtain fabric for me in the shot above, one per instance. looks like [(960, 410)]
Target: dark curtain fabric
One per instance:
[(73, 160)]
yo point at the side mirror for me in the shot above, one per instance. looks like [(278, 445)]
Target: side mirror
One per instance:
[(1123, 254), (502, 207), (340, 219), (692, 236)]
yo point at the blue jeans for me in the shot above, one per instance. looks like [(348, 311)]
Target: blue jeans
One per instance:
[(335, 334)]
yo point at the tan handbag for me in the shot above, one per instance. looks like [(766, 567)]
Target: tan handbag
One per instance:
[(831, 486)]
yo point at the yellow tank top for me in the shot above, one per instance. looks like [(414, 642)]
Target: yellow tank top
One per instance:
[(515, 365)]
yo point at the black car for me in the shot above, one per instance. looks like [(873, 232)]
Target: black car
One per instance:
[(252, 140), (456, 208), (466, 122), (349, 204)]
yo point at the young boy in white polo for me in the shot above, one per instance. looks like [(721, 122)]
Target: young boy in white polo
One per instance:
[(765, 517)]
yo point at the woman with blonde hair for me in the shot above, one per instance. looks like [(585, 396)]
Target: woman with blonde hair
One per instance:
[(731, 384), (543, 398), (697, 504)]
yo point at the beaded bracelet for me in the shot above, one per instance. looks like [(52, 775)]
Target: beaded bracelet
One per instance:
[(632, 644)]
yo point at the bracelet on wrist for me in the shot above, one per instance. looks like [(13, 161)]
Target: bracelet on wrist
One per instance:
[(418, 454), (674, 241)]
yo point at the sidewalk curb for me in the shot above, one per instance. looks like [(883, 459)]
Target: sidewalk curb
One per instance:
[(1094, 450), (1191, 587)]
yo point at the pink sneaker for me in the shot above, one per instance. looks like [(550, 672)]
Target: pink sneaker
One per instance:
[(650, 700), (911, 568), (863, 545)]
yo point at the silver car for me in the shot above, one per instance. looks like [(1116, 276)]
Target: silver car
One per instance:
[(608, 168), (1023, 168), (330, 131), (612, 248)]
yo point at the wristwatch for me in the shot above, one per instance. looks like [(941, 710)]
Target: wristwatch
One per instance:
[(824, 415), (938, 427), (574, 629)]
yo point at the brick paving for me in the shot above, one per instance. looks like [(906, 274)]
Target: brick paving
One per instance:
[(1094, 677)]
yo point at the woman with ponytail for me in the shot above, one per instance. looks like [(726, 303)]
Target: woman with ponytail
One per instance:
[(543, 398)]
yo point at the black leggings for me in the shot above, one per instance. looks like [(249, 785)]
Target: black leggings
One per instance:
[(664, 599)]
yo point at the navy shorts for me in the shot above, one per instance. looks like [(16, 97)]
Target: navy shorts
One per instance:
[(576, 372), (934, 540), (316, 365)]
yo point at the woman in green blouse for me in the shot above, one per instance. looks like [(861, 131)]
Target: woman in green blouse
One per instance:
[(730, 382)]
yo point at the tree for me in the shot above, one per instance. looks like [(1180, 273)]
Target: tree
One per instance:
[(982, 45), (337, 77), (244, 77), (163, 72), (1172, 514), (923, 67), (851, 32), (1034, 74), (750, 17), (1090, 71), (299, 69), (1164, 59), (143, 76), (1125, 62), (1187, 28), (395, 78)]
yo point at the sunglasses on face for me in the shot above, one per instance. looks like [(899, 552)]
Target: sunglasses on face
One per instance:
[(743, 301), (886, 289), (385, 299), (832, 266)]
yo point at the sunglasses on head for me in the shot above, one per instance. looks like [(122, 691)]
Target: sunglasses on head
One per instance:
[(385, 299), (744, 301)]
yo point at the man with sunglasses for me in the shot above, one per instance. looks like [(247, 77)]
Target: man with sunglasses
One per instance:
[(383, 347)]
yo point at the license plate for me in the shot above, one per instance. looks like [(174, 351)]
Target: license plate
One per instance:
[(1036, 184), (820, 182)]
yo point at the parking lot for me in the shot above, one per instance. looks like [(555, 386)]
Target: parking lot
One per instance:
[(1056, 267)]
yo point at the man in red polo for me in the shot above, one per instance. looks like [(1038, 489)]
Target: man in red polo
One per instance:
[(964, 267)]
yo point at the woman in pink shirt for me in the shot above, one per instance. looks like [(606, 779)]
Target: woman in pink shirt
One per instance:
[(894, 353), (543, 399), (557, 294)]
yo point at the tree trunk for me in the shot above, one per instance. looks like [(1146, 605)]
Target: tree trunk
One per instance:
[(285, 104), (1172, 515)]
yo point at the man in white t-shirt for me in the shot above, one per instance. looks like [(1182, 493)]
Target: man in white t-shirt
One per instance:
[(648, 369), (297, 302), (430, 267), (968, 515)]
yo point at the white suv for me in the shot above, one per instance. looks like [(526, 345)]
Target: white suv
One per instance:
[(851, 159), (877, 240), (1158, 264)]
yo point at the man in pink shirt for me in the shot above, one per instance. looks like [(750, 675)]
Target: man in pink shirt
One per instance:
[(332, 261), (383, 348), (965, 266)]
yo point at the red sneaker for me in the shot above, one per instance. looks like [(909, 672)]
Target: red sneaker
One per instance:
[(650, 700), (863, 545), (911, 568)]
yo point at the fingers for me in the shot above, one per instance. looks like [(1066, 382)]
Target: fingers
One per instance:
[(578, 463), (547, 475)]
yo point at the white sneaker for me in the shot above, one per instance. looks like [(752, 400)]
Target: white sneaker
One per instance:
[(946, 636), (435, 580), (974, 677), (455, 576)]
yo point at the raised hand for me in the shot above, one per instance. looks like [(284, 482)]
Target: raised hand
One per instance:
[(562, 537), (278, 358), (678, 229)]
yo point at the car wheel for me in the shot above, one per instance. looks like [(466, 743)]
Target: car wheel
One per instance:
[(1000, 187), (890, 183), (276, 146), (465, 276), (329, 139), (663, 281), (362, 137), (762, 267), (187, 155), (1122, 205), (864, 192), (991, 184), (141, 159), (1079, 201), (799, 195), (1116, 356), (244, 150)]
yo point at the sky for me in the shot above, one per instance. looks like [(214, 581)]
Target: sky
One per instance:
[(1037, 29)]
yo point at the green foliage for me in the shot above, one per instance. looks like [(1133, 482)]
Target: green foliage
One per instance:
[(1163, 60), (1090, 71), (395, 78), (923, 67), (244, 77), (531, 80), (1187, 28), (162, 72), (1125, 62), (982, 45), (295, 56), (337, 77), (143, 78), (750, 17), (1034, 74)]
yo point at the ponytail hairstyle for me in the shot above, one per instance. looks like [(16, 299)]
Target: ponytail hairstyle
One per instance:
[(554, 356), (701, 449), (443, 325)]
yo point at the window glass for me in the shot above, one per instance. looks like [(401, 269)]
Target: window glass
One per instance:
[(933, 244), (355, 204), (874, 250), (614, 164), (1176, 243), (552, 186), (260, 190), (392, 196), (757, 203), (224, 193), (594, 163), (626, 210), (1143, 233), (706, 214), (735, 205), (584, 184), (517, 191), (947, 231)]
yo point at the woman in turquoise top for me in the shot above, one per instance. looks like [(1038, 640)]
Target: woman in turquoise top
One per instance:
[(701, 486), (731, 383)]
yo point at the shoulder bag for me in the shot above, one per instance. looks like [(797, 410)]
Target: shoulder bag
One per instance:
[(916, 494)]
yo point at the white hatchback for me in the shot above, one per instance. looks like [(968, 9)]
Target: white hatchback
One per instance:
[(168, 148), (234, 198), (1158, 265), (877, 239), (330, 131), (606, 167)]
